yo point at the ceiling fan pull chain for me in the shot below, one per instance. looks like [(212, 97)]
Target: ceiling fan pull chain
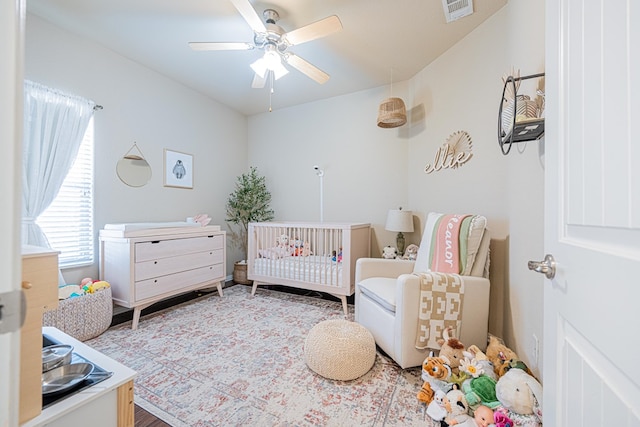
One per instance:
[(270, 89)]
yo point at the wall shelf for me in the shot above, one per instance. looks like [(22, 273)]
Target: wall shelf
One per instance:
[(520, 131)]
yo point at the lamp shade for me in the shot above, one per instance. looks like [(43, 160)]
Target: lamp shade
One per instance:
[(400, 221), (392, 113)]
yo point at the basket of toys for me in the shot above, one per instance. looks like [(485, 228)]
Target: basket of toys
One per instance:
[(84, 311)]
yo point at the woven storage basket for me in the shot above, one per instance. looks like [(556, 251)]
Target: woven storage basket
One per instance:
[(82, 317)]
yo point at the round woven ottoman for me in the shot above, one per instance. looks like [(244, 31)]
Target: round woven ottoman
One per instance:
[(339, 350)]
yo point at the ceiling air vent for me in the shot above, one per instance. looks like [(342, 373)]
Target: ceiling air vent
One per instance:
[(456, 9)]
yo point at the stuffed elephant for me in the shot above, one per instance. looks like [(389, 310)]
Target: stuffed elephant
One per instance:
[(521, 394)]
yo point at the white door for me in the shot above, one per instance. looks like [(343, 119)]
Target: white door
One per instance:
[(11, 33), (591, 374)]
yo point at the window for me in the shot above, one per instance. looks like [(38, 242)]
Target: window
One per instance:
[(68, 221)]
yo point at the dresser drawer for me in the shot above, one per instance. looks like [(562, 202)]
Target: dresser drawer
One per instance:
[(168, 284), (164, 266), (151, 250)]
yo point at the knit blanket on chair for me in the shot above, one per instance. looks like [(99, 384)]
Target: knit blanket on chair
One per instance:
[(448, 243), (441, 298)]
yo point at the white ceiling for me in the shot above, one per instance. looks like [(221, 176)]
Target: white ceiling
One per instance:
[(380, 39)]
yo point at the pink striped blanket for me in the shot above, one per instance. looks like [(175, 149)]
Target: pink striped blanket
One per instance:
[(445, 250)]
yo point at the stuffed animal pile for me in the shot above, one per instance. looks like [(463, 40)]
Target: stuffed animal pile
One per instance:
[(466, 387)]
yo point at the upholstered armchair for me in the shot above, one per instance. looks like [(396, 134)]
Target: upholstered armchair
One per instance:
[(388, 293)]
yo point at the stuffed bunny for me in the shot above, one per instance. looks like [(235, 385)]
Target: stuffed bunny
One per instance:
[(521, 395)]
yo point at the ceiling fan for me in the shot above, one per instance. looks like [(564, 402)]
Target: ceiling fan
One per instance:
[(275, 42)]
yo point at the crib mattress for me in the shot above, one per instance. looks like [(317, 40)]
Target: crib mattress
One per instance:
[(312, 269)]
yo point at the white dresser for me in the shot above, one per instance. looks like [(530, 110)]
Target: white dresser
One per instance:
[(146, 265)]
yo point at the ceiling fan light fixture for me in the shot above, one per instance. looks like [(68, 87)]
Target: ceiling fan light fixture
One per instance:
[(279, 71), (260, 67), (271, 60)]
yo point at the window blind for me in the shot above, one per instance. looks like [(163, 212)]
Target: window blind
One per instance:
[(68, 221)]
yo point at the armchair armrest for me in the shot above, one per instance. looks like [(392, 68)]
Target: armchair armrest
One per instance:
[(380, 267)]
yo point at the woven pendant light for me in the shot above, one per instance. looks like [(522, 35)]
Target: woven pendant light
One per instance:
[(392, 112)]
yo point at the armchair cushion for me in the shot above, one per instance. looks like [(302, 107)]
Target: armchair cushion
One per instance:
[(382, 290)]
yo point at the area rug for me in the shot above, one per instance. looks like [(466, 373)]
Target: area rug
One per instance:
[(238, 360)]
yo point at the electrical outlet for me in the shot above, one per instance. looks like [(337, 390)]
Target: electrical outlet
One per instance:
[(535, 349)]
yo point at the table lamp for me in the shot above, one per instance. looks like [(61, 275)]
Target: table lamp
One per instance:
[(402, 222)]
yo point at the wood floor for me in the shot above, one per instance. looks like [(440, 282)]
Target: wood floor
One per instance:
[(145, 419)]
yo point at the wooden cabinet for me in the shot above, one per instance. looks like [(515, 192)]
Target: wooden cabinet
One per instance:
[(147, 266), (40, 286)]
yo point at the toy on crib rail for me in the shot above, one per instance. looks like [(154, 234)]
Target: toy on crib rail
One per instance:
[(338, 257), (411, 253), (389, 252)]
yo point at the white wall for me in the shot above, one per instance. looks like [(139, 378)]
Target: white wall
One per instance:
[(143, 106), (370, 170), (365, 170)]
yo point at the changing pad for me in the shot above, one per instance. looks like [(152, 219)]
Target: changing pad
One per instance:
[(147, 225), (141, 229)]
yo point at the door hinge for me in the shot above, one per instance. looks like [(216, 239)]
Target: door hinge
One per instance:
[(13, 309)]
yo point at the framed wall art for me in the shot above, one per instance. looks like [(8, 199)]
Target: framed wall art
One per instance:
[(178, 169)]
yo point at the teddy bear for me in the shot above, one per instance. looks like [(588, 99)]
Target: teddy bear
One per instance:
[(499, 354), (411, 253), (283, 241), (521, 395), (389, 252)]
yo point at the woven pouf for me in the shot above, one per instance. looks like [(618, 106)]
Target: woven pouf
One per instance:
[(339, 350)]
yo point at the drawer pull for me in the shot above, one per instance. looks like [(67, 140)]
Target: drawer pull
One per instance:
[(153, 242), (26, 285), (155, 281), (155, 262)]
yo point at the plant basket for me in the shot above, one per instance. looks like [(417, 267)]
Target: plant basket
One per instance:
[(240, 274)]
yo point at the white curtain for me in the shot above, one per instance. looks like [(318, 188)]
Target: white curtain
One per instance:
[(54, 125)]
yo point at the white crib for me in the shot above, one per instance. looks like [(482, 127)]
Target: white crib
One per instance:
[(314, 256)]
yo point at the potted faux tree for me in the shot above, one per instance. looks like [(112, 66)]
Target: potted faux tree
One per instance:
[(249, 202)]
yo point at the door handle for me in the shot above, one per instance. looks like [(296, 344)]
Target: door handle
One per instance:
[(546, 266)]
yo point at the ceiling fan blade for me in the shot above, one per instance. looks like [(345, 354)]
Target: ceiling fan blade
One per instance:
[(220, 46), (318, 29), (259, 82), (305, 67), (249, 14)]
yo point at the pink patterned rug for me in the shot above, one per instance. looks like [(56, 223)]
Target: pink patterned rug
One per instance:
[(238, 360)]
